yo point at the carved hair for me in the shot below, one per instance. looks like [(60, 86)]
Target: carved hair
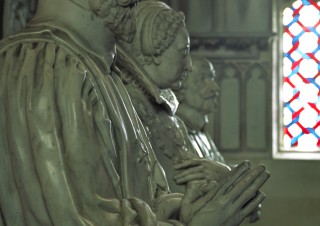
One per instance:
[(165, 29), (157, 27), (117, 16)]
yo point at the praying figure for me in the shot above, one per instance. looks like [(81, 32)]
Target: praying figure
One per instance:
[(159, 55), (73, 150), (154, 64), (197, 99)]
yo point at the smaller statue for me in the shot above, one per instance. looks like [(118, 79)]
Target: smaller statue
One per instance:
[(197, 99)]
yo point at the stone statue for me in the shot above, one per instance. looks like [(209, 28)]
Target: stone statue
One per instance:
[(153, 65), (163, 61), (151, 77), (197, 98), (73, 151)]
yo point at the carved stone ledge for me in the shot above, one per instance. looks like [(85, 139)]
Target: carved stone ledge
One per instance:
[(223, 47), (231, 43)]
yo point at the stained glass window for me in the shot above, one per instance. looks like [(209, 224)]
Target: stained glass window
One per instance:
[(301, 76)]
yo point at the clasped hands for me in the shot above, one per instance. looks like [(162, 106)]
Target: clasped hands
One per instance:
[(224, 202)]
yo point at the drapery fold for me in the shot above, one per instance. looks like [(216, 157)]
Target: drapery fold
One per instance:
[(73, 151)]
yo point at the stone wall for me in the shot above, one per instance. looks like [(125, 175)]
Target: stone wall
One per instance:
[(236, 35), (241, 37)]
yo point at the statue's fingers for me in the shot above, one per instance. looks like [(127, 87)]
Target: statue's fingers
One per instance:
[(188, 209), (207, 193), (192, 191), (253, 204), (187, 164), (250, 178), (252, 189), (145, 215), (168, 207), (186, 172), (204, 189), (128, 213), (234, 175), (255, 215), (191, 177), (109, 205)]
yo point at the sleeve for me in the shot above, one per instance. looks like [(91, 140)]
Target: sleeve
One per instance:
[(32, 144), (50, 151)]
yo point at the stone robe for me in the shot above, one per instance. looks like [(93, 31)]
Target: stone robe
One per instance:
[(167, 133), (73, 151)]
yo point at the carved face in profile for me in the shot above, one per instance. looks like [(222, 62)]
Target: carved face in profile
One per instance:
[(200, 89), (175, 62), (161, 44)]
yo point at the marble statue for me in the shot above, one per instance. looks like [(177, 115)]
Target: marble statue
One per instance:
[(73, 150), (163, 69), (153, 65), (152, 77), (198, 98)]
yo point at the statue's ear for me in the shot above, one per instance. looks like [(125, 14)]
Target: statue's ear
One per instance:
[(156, 60)]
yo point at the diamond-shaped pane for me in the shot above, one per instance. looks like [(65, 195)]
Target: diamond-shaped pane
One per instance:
[(287, 92), (295, 29), (309, 16), (308, 118), (308, 94), (295, 130), (297, 81), (308, 42), (296, 105), (287, 16), (287, 42), (308, 141), (308, 68)]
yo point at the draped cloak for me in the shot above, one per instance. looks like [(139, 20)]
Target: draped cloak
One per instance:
[(72, 149), (156, 109)]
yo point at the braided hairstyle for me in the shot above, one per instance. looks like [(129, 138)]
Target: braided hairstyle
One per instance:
[(117, 16), (165, 29), (157, 28)]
